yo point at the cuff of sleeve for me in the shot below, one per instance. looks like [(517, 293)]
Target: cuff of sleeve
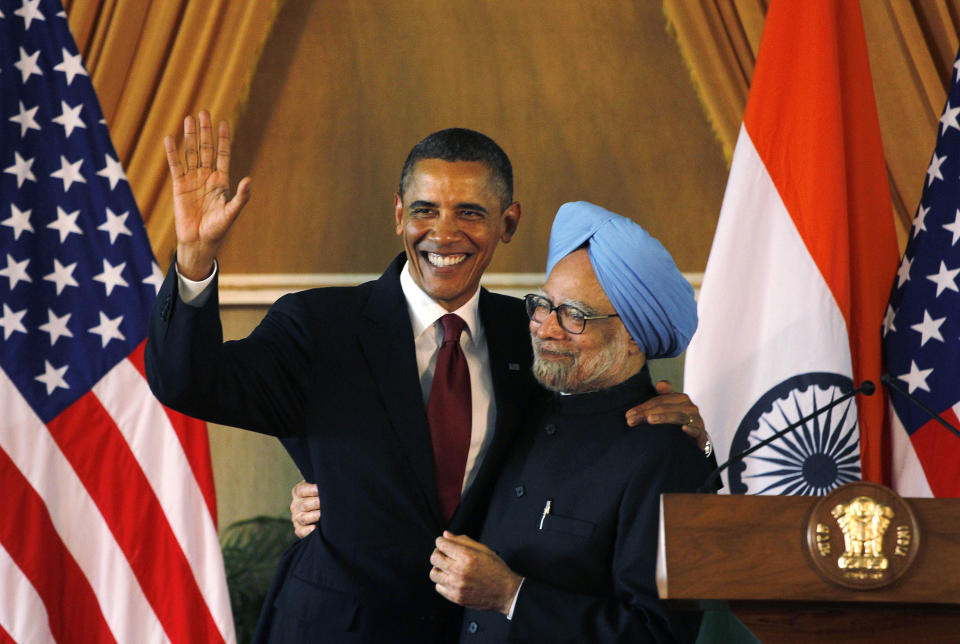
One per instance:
[(513, 604), (195, 293)]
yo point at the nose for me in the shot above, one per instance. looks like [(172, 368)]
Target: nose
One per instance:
[(550, 327), (446, 227)]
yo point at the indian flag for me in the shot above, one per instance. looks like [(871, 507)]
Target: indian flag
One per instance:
[(796, 285)]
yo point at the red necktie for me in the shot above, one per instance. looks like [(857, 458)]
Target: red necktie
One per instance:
[(449, 413)]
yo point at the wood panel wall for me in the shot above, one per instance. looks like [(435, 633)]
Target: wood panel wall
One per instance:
[(590, 100)]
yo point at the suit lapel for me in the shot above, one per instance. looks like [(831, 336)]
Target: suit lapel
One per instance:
[(386, 338), (508, 344)]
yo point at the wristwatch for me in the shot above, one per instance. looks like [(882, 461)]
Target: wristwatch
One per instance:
[(708, 448)]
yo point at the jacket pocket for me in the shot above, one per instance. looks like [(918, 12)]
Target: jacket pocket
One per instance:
[(313, 605), (568, 525)]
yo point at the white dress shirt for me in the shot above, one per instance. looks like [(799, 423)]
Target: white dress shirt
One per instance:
[(195, 293), (425, 316)]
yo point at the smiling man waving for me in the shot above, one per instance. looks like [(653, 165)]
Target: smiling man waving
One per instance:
[(399, 397)]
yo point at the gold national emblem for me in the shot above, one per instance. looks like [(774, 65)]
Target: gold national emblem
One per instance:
[(863, 522), (862, 536)]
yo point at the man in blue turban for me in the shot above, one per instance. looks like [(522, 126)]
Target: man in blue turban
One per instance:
[(568, 549), (654, 301)]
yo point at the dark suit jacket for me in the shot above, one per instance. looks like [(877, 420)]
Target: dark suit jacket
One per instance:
[(333, 373), (589, 570)]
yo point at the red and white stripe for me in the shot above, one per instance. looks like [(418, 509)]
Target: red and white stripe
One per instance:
[(31, 623), (115, 535), (908, 475)]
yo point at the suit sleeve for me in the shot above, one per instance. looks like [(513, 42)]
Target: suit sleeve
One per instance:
[(255, 383), (547, 613)]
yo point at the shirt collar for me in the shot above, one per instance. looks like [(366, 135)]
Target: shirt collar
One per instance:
[(424, 310)]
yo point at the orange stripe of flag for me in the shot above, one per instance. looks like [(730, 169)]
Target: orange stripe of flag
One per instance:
[(817, 131)]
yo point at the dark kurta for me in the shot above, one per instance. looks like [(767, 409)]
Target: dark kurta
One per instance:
[(590, 568)]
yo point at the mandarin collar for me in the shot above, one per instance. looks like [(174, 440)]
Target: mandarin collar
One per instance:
[(635, 389)]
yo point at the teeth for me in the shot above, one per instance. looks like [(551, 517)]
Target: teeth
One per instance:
[(444, 260)]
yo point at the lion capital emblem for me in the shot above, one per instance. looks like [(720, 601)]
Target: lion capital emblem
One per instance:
[(863, 522)]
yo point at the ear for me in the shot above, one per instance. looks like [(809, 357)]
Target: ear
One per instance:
[(398, 212), (511, 219), (633, 349)]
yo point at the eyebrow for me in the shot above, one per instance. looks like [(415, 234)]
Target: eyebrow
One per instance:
[(471, 206), (583, 306), (422, 203)]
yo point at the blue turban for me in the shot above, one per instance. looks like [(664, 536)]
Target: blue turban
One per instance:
[(654, 301)]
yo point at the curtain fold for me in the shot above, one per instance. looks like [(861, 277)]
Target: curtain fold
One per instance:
[(719, 43), (154, 63), (912, 46)]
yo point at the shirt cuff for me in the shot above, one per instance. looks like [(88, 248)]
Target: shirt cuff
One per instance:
[(195, 293), (513, 605)]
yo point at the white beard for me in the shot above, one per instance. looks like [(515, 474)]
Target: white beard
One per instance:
[(579, 375)]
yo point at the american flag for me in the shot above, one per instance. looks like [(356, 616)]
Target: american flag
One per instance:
[(108, 524), (921, 329)]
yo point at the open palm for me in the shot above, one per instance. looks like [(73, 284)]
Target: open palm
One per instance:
[(201, 182)]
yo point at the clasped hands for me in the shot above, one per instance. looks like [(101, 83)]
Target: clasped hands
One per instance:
[(470, 574)]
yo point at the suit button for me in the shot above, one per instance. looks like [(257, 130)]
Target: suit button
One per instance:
[(165, 305), (551, 429), (473, 627), (519, 490)]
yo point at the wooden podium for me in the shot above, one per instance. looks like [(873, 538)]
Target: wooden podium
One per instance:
[(751, 554)]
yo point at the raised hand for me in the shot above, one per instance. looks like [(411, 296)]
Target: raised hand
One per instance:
[(201, 185)]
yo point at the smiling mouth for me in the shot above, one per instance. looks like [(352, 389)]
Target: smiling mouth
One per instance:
[(442, 261), (550, 353)]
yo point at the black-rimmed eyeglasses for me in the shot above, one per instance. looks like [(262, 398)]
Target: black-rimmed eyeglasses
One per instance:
[(572, 319)]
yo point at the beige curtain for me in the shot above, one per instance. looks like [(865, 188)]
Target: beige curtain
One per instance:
[(154, 62), (719, 42), (912, 47)]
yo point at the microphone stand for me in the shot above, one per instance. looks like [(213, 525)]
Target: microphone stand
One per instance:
[(866, 388)]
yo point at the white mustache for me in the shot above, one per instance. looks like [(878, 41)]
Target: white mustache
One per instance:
[(540, 346)]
